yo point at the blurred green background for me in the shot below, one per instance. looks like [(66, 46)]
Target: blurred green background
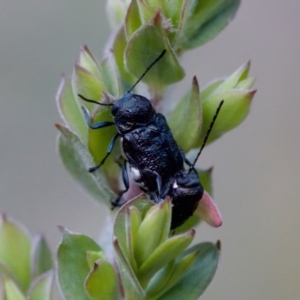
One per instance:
[(257, 166)]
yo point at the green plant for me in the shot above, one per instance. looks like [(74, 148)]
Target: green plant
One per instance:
[(25, 263), (149, 261)]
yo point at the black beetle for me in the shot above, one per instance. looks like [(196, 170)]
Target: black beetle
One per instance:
[(148, 144), (155, 160)]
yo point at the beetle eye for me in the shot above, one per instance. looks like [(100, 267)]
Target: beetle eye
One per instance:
[(188, 180), (127, 126)]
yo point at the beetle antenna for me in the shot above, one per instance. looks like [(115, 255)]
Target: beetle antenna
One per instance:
[(207, 135), (151, 65), (93, 101)]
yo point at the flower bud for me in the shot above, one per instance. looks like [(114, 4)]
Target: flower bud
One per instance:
[(208, 211), (237, 94)]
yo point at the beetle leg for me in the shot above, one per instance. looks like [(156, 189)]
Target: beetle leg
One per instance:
[(110, 147), (96, 125), (155, 196), (125, 178)]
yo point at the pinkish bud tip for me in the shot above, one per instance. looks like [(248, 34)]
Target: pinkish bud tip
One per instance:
[(209, 211)]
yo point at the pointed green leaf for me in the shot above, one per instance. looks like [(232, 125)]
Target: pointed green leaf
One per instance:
[(209, 88), (119, 46), (204, 20), (102, 282), (41, 257), (172, 10), (232, 81), (184, 12), (72, 267), (234, 111), (133, 222), (160, 280), (69, 109), (99, 140), (181, 266), (11, 290), (246, 84), (110, 76), (238, 80), (186, 119), (88, 61), (153, 231), (15, 243), (163, 254), (132, 287), (41, 287), (138, 58), (132, 20), (145, 11), (116, 11), (169, 10), (142, 204), (198, 276), (77, 159), (87, 84)]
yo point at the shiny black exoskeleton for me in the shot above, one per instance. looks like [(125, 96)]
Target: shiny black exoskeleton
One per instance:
[(152, 152), (153, 156), (155, 160), (148, 144), (157, 166), (186, 191)]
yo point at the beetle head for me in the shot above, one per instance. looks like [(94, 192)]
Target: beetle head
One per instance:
[(132, 111), (187, 185)]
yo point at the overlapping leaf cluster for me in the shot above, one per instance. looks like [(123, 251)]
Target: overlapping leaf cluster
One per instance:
[(150, 263), (144, 29), (25, 264)]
